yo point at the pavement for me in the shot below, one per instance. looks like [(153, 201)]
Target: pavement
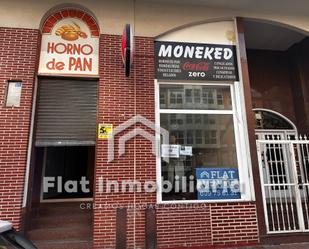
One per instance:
[(281, 246)]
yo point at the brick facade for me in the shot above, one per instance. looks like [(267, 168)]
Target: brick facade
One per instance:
[(197, 225), (116, 105), (180, 226), (119, 99), (18, 56)]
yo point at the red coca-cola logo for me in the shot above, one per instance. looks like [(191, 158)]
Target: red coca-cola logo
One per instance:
[(191, 66)]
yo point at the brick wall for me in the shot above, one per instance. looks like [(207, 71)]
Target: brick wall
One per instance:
[(234, 223), (18, 55), (196, 225), (180, 226), (206, 225), (184, 226), (116, 105)]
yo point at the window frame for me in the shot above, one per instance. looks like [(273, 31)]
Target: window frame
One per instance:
[(240, 134)]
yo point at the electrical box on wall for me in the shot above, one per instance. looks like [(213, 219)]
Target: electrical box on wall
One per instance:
[(13, 94)]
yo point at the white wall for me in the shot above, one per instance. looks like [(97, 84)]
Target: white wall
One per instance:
[(152, 18), (222, 32)]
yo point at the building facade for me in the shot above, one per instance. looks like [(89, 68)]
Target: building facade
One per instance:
[(226, 85)]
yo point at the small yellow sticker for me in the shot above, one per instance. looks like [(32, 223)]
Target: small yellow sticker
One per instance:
[(105, 131)]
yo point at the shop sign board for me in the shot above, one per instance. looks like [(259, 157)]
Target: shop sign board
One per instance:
[(69, 49), (195, 61), (217, 183)]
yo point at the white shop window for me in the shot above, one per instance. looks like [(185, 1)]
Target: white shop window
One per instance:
[(205, 125)]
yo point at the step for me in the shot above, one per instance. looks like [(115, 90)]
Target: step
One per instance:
[(64, 244), (65, 204), (60, 209), (51, 221), (61, 233)]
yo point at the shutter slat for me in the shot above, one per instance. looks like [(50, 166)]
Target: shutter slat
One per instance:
[(66, 112)]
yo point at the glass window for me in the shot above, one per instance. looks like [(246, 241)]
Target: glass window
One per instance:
[(189, 119), (188, 95), (205, 95), (269, 120), (190, 137), (162, 99), (211, 137), (212, 121), (219, 98), (206, 120), (172, 98), (202, 145), (196, 97), (173, 119), (210, 98), (197, 119), (198, 137), (179, 98)]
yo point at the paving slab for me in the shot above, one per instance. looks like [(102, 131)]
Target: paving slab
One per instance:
[(281, 246)]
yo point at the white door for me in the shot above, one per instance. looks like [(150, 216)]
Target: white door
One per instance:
[(284, 168), (276, 160)]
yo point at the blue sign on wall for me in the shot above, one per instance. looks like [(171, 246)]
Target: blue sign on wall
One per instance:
[(217, 183)]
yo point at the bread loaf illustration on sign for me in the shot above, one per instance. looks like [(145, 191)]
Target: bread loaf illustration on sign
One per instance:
[(70, 32)]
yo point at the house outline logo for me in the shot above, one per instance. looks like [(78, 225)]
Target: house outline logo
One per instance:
[(133, 133)]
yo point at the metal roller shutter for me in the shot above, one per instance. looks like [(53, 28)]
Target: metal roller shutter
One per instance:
[(66, 112)]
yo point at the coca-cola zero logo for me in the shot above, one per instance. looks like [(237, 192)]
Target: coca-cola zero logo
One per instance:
[(199, 66)]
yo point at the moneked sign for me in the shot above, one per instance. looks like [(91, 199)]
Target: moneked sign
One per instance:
[(69, 50)]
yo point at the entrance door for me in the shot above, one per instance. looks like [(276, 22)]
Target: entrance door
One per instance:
[(276, 159), (68, 172), (283, 164), (65, 138)]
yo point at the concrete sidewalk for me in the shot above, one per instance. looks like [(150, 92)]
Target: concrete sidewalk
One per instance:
[(282, 246)]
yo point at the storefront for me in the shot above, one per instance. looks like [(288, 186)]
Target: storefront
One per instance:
[(173, 133)]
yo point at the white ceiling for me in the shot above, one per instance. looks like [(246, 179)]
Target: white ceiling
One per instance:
[(275, 6), (260, 35)]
